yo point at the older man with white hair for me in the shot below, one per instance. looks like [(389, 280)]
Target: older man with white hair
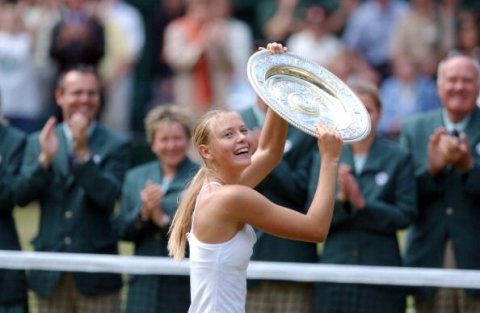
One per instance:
[(445, 145)]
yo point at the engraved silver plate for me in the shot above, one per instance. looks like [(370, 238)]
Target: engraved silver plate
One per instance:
[(305, 94)]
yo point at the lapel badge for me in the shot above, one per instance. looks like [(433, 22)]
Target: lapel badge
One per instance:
[(477, 148), (97, 159), (288, 146), (381, 178)]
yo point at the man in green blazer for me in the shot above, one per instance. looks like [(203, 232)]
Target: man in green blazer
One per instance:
[(286, 185), (75, 171), (13, 283), (445, 145)]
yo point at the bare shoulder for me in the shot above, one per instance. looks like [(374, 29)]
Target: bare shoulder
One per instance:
[(234, 194), (221, 206), (243, 203), (233, 199)]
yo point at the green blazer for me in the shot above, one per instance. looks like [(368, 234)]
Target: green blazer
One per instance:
[(76, 205), (369, 236), (148, 292), (286, 185), (12, 283), (148, 238), (448, 205)]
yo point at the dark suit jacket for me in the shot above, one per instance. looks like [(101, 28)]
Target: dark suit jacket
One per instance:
[(369, 236), (12, 283), (153, 293), (148, 238), (448, 205), (76, 205)]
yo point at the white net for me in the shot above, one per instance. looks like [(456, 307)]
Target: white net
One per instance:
[(304, 272)]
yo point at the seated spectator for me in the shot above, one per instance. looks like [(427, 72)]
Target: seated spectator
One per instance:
[(369, 32), (350, 66), (404, 94), (278, 19), (196, 47), (468, 35), (166, 12), (40, 17), (341, 13), (240, 46), (124, 42), (18, 82), (424, 34), (315, 41), (79, 36)]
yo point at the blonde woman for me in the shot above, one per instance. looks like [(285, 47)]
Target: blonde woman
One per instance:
[(220, 206)]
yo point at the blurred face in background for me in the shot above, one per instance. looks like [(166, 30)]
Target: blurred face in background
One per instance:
[(79, 93), (170, 143), (404, 69), (223, 8), (201, 10), (10, 18), (173, 7), (372, 106), (458, 86), (316, 19), (468, 33), (75, 5)]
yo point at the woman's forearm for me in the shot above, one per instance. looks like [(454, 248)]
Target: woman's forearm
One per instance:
[(273, 135), (321, 208)]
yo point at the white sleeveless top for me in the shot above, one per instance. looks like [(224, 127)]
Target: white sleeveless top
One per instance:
[(218, 272)]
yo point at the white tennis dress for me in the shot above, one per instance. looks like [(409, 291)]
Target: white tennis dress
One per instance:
[(218, 272)]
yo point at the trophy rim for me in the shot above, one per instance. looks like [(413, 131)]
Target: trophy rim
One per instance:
[(288, 68)]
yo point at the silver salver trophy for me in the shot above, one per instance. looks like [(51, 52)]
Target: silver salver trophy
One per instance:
[(306, 94)]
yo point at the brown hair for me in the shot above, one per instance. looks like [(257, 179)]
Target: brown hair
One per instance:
[(182, 221), (369, 89), (166, 113)]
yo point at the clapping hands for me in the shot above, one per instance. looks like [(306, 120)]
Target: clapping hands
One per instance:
[(348, 188), (446, 149), (151, 196)]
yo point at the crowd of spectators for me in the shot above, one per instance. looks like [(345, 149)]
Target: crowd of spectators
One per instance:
[(145, 60)]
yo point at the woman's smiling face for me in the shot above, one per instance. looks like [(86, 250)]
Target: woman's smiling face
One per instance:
[(229, 146)]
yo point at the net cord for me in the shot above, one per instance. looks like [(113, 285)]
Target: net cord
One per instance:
[(302, 272)]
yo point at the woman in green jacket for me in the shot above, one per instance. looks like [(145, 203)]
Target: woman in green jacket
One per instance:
[(150, 196), (376, 197)]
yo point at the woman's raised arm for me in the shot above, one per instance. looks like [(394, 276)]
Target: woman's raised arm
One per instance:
[(271, 144), (251, 207)]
